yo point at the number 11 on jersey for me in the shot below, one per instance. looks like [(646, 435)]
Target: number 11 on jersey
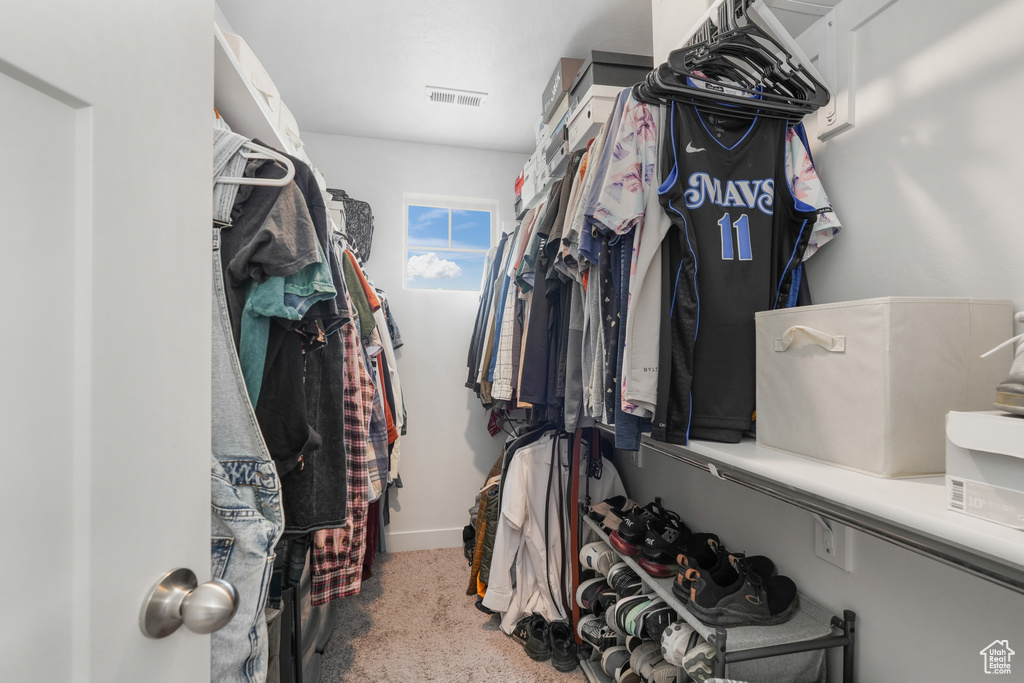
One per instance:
[(742, 237)]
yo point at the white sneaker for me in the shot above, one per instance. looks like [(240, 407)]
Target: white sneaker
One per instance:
[(1010, 394), (674, 642), (598, 556)]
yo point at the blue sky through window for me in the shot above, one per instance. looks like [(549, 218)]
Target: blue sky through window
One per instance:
[(471, 229), (456, 270), (428, 227)]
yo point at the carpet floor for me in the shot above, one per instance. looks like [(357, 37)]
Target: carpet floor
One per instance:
[(412, 621)]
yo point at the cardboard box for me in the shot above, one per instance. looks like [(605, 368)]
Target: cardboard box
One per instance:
[(867, 384), (609, 68), (985, 466), (558, 85)]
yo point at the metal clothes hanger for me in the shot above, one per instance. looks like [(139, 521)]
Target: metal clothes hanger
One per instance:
[(257, 151)]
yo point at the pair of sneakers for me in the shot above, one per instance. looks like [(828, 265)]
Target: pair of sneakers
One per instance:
[(739, 594), (655, 533), (543, 641), (683, 647), (706, 554)]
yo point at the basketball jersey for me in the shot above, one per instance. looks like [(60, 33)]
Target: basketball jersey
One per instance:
[(738, 235)]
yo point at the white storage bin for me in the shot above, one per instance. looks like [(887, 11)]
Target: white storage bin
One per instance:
[(269, 99), (288, 127), (867, 384)]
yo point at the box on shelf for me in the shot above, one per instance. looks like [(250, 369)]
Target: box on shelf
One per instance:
[(558, 85), (288, 127), (985, 466), (608, 68), (866, 384), (269, 99), (590, 113)]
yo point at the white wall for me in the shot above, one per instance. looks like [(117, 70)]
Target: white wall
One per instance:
[(447, 451), (670, 20), (928, 186), (928, 182)]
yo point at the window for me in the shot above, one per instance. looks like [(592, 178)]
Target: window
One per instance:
[(446, 241)]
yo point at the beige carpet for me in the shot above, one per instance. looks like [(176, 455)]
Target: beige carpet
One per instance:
[(413, 622)]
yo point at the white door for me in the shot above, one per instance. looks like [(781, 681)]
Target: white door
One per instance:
[(105, 133)]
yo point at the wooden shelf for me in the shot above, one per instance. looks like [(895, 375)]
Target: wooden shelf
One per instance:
[(910, 513)]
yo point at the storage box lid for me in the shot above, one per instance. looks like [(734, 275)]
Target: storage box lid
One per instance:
[(616, 58), (989, 431), (885, 300)]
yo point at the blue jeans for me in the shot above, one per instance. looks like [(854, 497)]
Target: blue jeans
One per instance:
[(247, 518)]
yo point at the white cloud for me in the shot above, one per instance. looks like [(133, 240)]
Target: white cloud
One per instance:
[(431, 267)]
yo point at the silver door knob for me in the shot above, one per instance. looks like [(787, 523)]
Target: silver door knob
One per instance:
[(177, 598)]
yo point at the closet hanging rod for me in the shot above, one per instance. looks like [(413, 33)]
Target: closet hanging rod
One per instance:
[(257, 151)]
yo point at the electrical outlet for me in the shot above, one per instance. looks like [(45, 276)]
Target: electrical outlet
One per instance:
[(832, 542)]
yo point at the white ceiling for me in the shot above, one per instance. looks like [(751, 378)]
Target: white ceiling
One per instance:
[(360, 68)]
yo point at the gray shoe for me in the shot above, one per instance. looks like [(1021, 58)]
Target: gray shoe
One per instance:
[(1010, 394)]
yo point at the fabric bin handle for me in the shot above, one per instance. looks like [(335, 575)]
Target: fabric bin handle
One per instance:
[(831, 343)]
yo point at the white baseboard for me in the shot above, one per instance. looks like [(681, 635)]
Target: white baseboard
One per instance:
[(427, 539)]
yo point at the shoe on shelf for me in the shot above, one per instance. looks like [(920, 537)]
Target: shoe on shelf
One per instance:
[(604, 601), (609, 512), (632, 622), (703, 552), (644, 657), (1010, 394), (655, 619), (675, 641), (633, 530), (666, 539), (616, 615), (736, 596), (598, 556), (633, 642), (613, 658), (627, 675), (538, 639), (624, 580), (589, 591), (662, 672), (699, 661), (563, 646), (595, 630)]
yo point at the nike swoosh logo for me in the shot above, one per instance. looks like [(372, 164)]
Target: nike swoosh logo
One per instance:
[(691, 149)]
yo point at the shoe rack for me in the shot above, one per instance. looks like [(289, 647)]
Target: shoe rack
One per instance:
[(810, 629)]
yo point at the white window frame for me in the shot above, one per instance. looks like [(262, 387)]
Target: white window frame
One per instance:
[(436, 201)]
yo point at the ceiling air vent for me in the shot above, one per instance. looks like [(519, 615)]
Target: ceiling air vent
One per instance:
[(462, 98)]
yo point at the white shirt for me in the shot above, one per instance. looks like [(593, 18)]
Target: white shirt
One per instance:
[(520, 544)]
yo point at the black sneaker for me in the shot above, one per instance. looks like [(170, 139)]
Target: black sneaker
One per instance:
[(703, 553), (633, 529), (563, 646), (623, 580), (589, 594), (538, 639), (738, 597), (666, 539)]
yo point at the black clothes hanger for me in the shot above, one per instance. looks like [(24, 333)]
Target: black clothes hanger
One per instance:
[(735, 68)]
